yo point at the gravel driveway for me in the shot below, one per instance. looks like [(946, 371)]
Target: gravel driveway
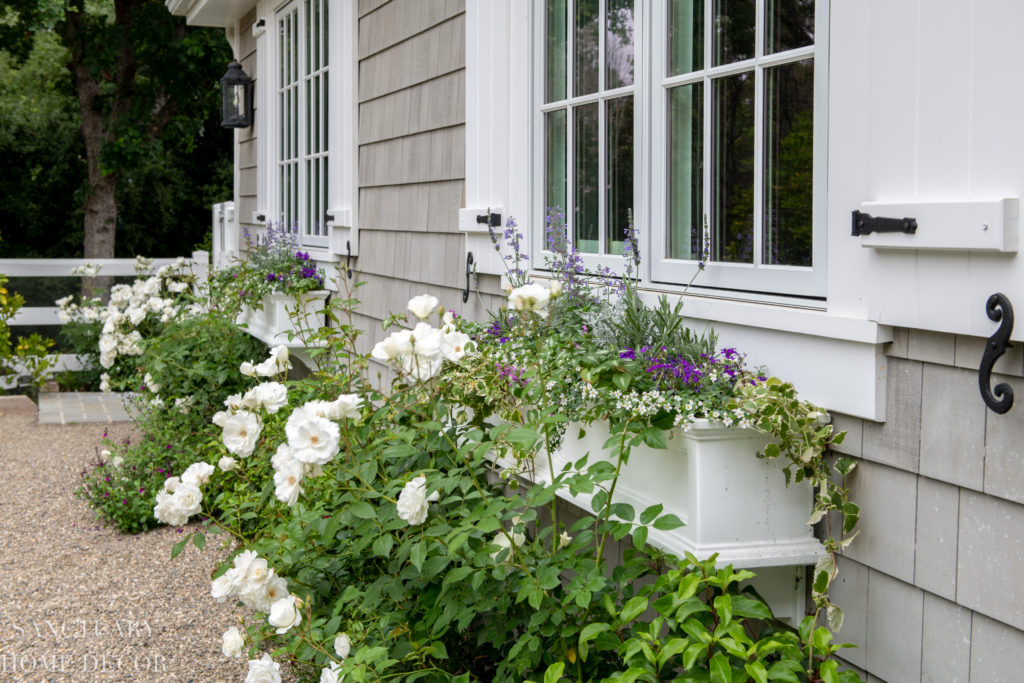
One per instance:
[(82, 602)]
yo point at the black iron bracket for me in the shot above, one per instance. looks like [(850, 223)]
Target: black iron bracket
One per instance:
[(348, 259), (999, 398), (469, 274), (865, 224), (492, 220)]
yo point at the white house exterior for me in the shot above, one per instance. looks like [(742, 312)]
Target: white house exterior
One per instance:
[(744, 134)]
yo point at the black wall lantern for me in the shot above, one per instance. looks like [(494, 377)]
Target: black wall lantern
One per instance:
[(236, 98)]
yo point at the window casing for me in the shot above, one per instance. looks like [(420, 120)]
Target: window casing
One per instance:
[(723, 162), (302, 109)]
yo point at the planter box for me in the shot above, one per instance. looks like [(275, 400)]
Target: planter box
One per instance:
[(731, 502), (272, 324)]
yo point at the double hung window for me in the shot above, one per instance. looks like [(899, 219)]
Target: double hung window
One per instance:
[(302, 107), (701, 117)]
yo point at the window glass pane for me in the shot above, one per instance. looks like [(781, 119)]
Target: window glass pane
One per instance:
[(309, 207), (554, 148), (619, 128), (788, 159), (788, 24), (587, 34), (685, 36), (586, 177), (309, 116), (685, 170), (307, 38), (316, 36), (556, 47), (325, 99), (618, 43), (327, 35), (732, 189), (733, 30)]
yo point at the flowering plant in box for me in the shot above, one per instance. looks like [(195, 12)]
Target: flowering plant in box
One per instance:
[(275, 264)]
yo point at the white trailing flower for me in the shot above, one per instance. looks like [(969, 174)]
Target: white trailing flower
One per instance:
[(227, 463), (453, 345), (247, 368), (232, 642), (241, 431), (423, 306), (413, 501), (284, 615), (151, 383), (276, 363), (263, 670), (105, 383), (220, 417), (174, 508)]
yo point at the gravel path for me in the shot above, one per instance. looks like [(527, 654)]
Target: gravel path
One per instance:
[(82, 602)]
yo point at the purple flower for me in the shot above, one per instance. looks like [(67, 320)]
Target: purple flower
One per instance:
[(271, 277)]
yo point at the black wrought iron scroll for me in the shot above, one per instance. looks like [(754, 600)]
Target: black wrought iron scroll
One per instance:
[(469, 274), (1000, 397), (348, 259)]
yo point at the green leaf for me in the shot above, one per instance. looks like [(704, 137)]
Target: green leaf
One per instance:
[(639, 537), (757, 672), (632, 609), (524, 437), (721, 672), (622, 380), (179, 546), (743, 606), (829, 671), (723, 606), (199, 540), (649, 514), (589, 632), (554, 672), (654, 437), (671, 649), (668, 522), (623, 511), (418, 554), (382, 546), (363, 510)]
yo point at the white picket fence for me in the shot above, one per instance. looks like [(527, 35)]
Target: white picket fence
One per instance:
[(41, 268)]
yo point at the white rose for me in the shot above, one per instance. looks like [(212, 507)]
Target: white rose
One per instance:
[(423, 306), (223, 587), (279, 354), (249, 400), (104, 454), (188, 498), (267, 368), (197, 473), (241, 431), (426, 341), (413, 501), (313, 439), (345, 407), (529, 297), (564, 539), (108, 343), (342, 645), (502, 541), (220, 417), (151, 384), (331, 675), (227, 463), (453, 345), (264, 670), (271, 395), (421, 368), (232, 642), (233, 402), (284, 615), (288, 481), (247, 369)]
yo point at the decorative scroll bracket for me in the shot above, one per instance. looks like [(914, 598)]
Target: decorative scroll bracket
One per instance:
[(999, 398), (469, 274), (865, 224), (348, 259)]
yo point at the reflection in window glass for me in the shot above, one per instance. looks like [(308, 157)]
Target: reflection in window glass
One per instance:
[(685, 36), (554, 146), (788, 162), (732, 189), (789, 24), (587, 34), (619, 116), (685, 170), (586, 177), (556, 46), (733, 34), (618, 43)]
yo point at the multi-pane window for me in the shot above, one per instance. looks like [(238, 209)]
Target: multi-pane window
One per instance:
[(303, 114), (724, 92), (588, 118)]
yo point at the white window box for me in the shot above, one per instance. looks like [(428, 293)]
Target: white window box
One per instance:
[(272, 323), (731, 502)]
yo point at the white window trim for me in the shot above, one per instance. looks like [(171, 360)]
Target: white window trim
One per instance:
[(343, 105), (763, 279)]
